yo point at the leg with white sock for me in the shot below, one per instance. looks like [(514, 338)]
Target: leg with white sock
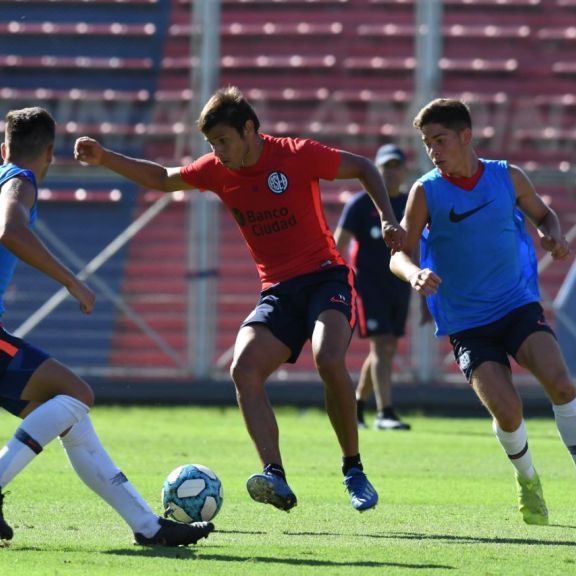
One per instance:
[(565, 416), (40, 427), (49, 399), (97, 470), (541, 354), (515, 445), (492, 382), (95, 467)]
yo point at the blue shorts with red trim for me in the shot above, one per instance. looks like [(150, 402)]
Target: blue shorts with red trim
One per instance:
[(18, 361), (290, 309)]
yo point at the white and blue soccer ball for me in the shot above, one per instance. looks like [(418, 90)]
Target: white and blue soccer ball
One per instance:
[(192, 493)]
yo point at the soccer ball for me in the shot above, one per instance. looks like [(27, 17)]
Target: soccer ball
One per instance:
[(192, 493)]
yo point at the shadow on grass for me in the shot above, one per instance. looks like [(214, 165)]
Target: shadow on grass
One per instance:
[(254, 532), (184, 553), (179, 553), (452, 538), (476, 539)]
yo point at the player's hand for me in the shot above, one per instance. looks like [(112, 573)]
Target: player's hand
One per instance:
[(394, 236), (559, 249), (88, 151), (425, 281), (84, 295)]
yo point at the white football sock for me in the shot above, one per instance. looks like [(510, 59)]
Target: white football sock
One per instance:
[(515, 445), (565, 416), (36, 430), (97, 470)]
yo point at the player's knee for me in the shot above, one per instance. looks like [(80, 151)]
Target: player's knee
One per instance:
[(244, 374), (508, 417), (328, 363), (86, 395)]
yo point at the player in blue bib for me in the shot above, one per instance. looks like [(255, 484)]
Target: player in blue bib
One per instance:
[(50, 399), (478, 271)]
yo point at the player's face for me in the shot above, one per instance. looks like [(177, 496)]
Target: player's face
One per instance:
[(228, 146), (446, 148), (393, 172)]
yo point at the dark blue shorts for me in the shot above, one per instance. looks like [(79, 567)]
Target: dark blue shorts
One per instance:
[(18, 361), (290, 309), (382, 311), (498, 340)]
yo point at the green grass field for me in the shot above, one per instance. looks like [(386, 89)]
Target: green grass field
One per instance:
[(447, 502)]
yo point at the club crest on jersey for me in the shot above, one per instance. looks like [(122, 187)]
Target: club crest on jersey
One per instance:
[(277, 182)]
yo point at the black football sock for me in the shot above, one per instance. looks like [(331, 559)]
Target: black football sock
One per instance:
[(275, 469), (360, 405), (351, 462)]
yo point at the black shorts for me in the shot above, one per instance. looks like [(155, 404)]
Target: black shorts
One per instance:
[(18, 361), (498, 340), (290, 309), (383, 311)]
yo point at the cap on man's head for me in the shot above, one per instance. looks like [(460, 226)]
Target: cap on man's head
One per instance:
[(389, 152)]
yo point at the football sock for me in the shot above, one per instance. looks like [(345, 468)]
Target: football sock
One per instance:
[(351, 462), (97, 470), (565, 416), (515, 445), (275, 469), (36, 430), (387, 413), (360, 406)]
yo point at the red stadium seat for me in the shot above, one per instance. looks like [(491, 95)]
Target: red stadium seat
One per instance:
[(80, 62), (135, 2), (74, 94), (262, 62), (380, 64), (79, 28), (479, 65)]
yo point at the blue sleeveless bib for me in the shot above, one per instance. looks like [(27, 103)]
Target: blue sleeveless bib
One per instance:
[(478, 244)]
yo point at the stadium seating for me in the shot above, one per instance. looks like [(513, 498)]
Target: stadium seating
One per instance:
[(72, 227), (341, 71)]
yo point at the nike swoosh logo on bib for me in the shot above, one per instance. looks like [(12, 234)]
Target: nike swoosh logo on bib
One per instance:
[(458, 217)]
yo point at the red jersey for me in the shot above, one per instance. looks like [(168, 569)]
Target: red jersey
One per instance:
[(277, 205)]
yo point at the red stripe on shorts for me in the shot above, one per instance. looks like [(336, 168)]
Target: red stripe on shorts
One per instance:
[(354, 295), (8, 348)]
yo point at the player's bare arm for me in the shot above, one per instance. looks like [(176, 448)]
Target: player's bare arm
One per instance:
[(144, 172), (403, 262), (16, 200), (540, 214), (354, 166)]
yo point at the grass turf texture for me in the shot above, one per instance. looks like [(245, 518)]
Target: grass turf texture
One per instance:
[(447, 502)]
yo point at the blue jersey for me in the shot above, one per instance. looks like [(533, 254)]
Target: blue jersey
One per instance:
[(478, 245), (7, 259)]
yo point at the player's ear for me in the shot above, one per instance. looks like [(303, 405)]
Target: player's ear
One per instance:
[(466, 136), (248, 127), (50, 154), (3, 150)]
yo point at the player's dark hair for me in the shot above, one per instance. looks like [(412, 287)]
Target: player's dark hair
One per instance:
[(28, 132), (227, 106), (452, 114)]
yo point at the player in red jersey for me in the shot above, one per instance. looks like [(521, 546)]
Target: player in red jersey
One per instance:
[(271, 186)]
